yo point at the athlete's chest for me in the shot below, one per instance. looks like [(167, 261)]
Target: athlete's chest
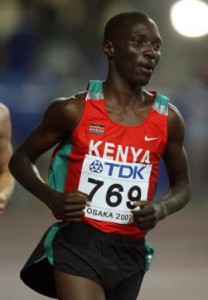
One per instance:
[(130, 117), (97, 135)]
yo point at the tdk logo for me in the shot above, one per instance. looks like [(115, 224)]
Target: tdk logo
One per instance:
[(96, 166), (118, 170), (125, 171)]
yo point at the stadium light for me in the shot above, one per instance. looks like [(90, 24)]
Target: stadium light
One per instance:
[(190, 17)]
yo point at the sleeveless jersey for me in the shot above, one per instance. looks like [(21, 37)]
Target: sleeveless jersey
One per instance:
[(114, 164)]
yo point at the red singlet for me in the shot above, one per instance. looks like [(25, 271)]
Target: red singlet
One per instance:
[(114, 164)]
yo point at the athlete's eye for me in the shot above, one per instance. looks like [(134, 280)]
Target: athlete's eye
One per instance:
[(157, 47), (137, 42)]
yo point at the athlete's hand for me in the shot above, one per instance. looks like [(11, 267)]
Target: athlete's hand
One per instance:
[(70, 206), (146, 214)]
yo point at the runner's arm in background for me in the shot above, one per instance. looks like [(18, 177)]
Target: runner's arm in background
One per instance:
[(7, 181)]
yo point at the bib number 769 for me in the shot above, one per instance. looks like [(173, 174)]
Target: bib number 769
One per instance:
[(115, 193)]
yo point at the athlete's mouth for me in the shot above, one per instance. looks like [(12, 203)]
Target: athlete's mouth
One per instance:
[(147, 68)]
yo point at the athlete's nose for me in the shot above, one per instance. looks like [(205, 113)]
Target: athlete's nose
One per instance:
[(149, 51)]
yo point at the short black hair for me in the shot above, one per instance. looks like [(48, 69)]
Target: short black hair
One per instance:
[(116, 22)]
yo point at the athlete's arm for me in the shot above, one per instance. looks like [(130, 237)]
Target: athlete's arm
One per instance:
[(177, 167), (58, 122), (6, 178), (179, 192)]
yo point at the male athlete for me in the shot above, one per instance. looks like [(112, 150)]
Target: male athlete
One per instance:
[(104, 171)]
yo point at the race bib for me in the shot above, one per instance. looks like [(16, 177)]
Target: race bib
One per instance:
[(111, 186)]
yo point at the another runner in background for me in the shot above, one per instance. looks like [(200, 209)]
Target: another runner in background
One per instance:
[(104, 172), (6, 179)]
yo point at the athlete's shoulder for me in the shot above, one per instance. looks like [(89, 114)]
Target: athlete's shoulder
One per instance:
[(75, 99), (159, 102), (176, 124), (174, 113), (67, 105), (65, 113), (73, 106)]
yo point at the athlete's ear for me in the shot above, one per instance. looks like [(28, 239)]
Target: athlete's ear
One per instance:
[(108, 49)]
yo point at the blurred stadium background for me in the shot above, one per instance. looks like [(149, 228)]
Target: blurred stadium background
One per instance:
[(50, 49)]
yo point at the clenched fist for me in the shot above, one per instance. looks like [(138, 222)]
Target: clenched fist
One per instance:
[(146, 214)]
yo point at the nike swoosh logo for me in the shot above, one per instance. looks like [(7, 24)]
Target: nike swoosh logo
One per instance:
[(148, 139)]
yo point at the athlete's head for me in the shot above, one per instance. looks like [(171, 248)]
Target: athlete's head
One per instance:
[(132, 43)]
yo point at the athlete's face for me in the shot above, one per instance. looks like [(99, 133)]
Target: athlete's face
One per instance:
[(137, 51)]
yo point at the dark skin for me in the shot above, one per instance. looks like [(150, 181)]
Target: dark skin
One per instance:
[(132, 57)]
